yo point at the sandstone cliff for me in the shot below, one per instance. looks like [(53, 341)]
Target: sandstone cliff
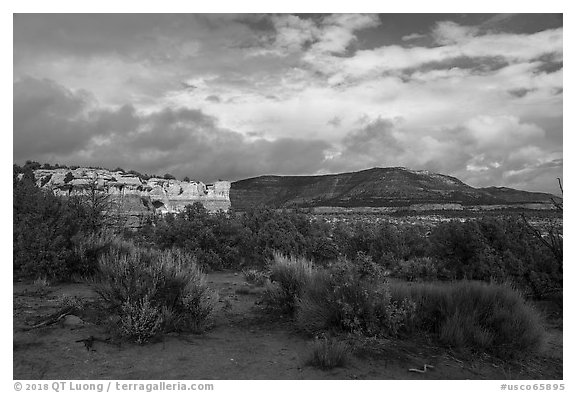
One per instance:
[(132, 196)]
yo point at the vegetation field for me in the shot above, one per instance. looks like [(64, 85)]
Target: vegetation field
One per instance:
[(244, 342), (271, 294)]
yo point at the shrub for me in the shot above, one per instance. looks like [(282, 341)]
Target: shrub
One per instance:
[(345, 297), (290, 276), (491, 249), (89, 248), (145, 286), (68, 178), (418, 269), (366, 307), (328, 353), (43, 228), (140, 320), (474, 315)]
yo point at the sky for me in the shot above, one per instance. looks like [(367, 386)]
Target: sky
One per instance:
[(232, 96)]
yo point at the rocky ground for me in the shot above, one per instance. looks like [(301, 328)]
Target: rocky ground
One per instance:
[(244, 342)]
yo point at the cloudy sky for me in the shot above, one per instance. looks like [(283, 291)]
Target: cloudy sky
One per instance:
[(477, 96)]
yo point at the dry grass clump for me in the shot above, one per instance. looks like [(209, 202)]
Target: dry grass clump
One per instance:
[(328, 353)]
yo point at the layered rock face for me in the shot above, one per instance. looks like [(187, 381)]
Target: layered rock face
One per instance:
[(133, 197)]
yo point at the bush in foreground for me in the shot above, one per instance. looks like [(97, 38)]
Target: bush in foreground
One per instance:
[(475, 316), (154, 291), (348, 296), (345, 297), (351, 297)]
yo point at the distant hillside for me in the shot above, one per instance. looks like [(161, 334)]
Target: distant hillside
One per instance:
[(376, 187), (511, 195)]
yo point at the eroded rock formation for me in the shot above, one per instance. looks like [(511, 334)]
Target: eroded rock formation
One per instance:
[(132, 196)]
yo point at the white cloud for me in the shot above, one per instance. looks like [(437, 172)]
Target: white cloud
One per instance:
[(457, 42), (496, 133), (293, 32), (448, 33), (413, 36)]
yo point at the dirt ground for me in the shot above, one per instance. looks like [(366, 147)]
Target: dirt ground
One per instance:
[(243, 343)]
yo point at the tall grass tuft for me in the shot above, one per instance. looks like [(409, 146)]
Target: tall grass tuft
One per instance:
[(289, 276), (315, 310), (473, 315), (154, 291), (327, 353)]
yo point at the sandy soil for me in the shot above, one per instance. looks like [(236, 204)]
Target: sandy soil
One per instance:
[(243, 343)]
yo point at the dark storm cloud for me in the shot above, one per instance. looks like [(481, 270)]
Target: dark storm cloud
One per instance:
[(118, 34), (376, 135), (213, 98), (374, 144), (48, 117), (52, 123), (335, 122), (519, 92)]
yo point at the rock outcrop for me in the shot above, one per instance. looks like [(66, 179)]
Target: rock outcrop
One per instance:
[(133, 197)]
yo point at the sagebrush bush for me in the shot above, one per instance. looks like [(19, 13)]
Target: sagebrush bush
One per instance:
[(364, 303), (327, 353), (345, 297), (140, 320), (474, 315), (165, 284)]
